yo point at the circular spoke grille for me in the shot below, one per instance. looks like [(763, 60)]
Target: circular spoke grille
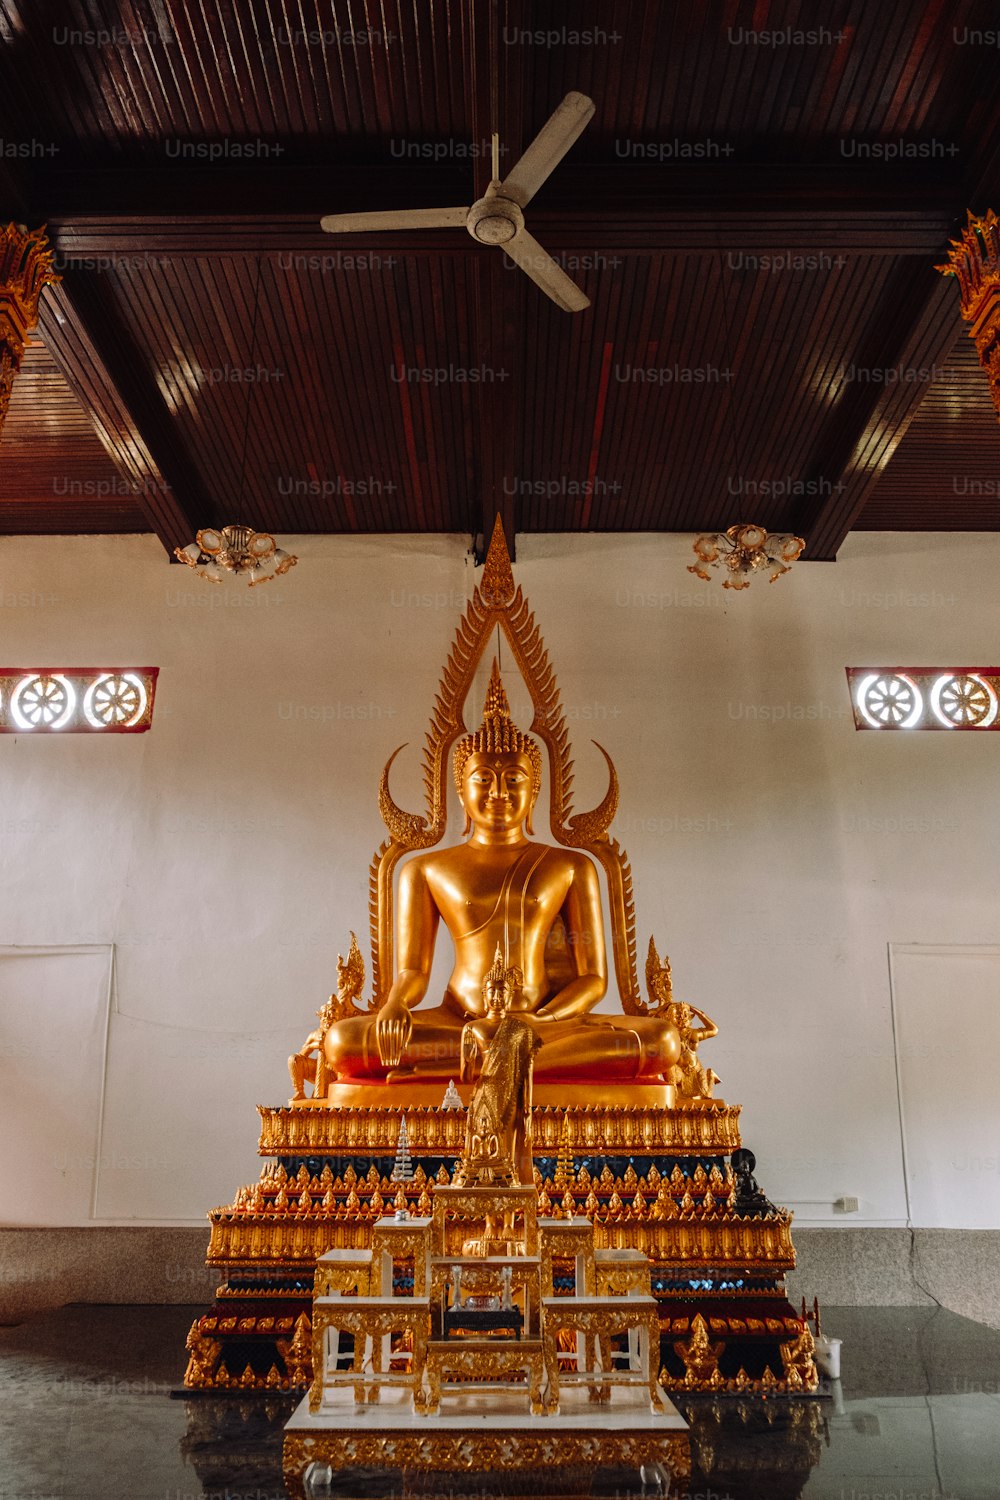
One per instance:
[(889, 700), (42, 702), (964, 701), (115, 701)]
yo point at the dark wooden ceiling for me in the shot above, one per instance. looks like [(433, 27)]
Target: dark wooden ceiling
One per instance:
[(182, 160)]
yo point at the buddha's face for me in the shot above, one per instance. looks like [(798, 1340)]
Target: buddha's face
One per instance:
[(496, 791), (497, 997)]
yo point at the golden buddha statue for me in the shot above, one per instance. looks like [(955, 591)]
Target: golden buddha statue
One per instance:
[(539, 904)]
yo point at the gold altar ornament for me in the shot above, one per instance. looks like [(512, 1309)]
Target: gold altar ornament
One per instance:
[(745, 552), (797, 1356), (699, 1356), (489, 1453), (711, 1128), (26, 268), (974, 261), (308, 1065)]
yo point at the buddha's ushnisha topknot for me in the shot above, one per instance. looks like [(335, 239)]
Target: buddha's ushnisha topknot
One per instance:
[(498, 734)]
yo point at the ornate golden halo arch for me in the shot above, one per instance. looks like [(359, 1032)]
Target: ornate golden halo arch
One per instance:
[(497, 601)]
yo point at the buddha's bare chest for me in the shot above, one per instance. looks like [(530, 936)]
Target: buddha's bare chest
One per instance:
[(523, 895)]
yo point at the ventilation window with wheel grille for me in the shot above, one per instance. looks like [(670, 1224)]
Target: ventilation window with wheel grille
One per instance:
[(925, 697), (77, 700)]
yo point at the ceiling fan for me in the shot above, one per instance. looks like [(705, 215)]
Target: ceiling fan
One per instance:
[(497, 218)]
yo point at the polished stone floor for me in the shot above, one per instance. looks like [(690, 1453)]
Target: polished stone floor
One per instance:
[(86, 1414)]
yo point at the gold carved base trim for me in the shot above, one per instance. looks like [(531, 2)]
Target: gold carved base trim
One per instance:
[(705, 1127), (473, 1450), (741, 1384), (756, 1246)]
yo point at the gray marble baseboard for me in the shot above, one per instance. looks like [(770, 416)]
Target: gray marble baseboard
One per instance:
[(959, 1268), (45, 1268)]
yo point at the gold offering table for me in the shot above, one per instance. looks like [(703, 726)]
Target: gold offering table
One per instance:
[(447, 1398)]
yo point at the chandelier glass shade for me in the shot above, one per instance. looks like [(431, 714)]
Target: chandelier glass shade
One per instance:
[(252, 555), (744, 553)]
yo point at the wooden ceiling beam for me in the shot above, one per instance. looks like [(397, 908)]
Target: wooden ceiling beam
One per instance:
[(755, 208), (876, 415), (923, 327), (116, 389)]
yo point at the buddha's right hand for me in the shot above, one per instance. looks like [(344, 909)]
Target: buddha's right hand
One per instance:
[(393, 1026)]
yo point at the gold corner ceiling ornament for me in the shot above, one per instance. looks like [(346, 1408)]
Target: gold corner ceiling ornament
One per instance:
[(25, 270), (974, 260), (498, 602)]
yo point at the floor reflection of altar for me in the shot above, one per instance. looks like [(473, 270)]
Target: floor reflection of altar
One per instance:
[(87, 1414)]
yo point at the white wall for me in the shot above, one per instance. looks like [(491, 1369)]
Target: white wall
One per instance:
[(776, 851)]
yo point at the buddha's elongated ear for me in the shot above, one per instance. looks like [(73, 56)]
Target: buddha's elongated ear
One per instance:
[(528, 828), (468, 822)]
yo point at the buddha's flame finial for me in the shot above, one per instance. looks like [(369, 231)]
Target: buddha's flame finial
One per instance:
[(497, 705), (498, 974)]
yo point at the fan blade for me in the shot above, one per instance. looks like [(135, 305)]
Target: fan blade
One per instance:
[(525, 251), (548, 148), (402, 218)]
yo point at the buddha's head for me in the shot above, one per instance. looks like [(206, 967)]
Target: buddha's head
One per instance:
[(498, 769)]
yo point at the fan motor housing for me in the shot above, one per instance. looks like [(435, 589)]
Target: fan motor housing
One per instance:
[(494, 220)]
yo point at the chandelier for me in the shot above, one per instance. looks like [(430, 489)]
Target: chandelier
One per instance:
[(745, 552), (249, 554), (235, 549)]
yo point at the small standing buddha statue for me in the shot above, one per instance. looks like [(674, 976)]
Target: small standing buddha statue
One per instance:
[(501, 889), (498, 1123)]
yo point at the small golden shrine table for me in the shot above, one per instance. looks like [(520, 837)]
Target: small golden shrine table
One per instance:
[(401, 1239), (371, 1321), (598, 1320), (568, 1239), (340, 1271)]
